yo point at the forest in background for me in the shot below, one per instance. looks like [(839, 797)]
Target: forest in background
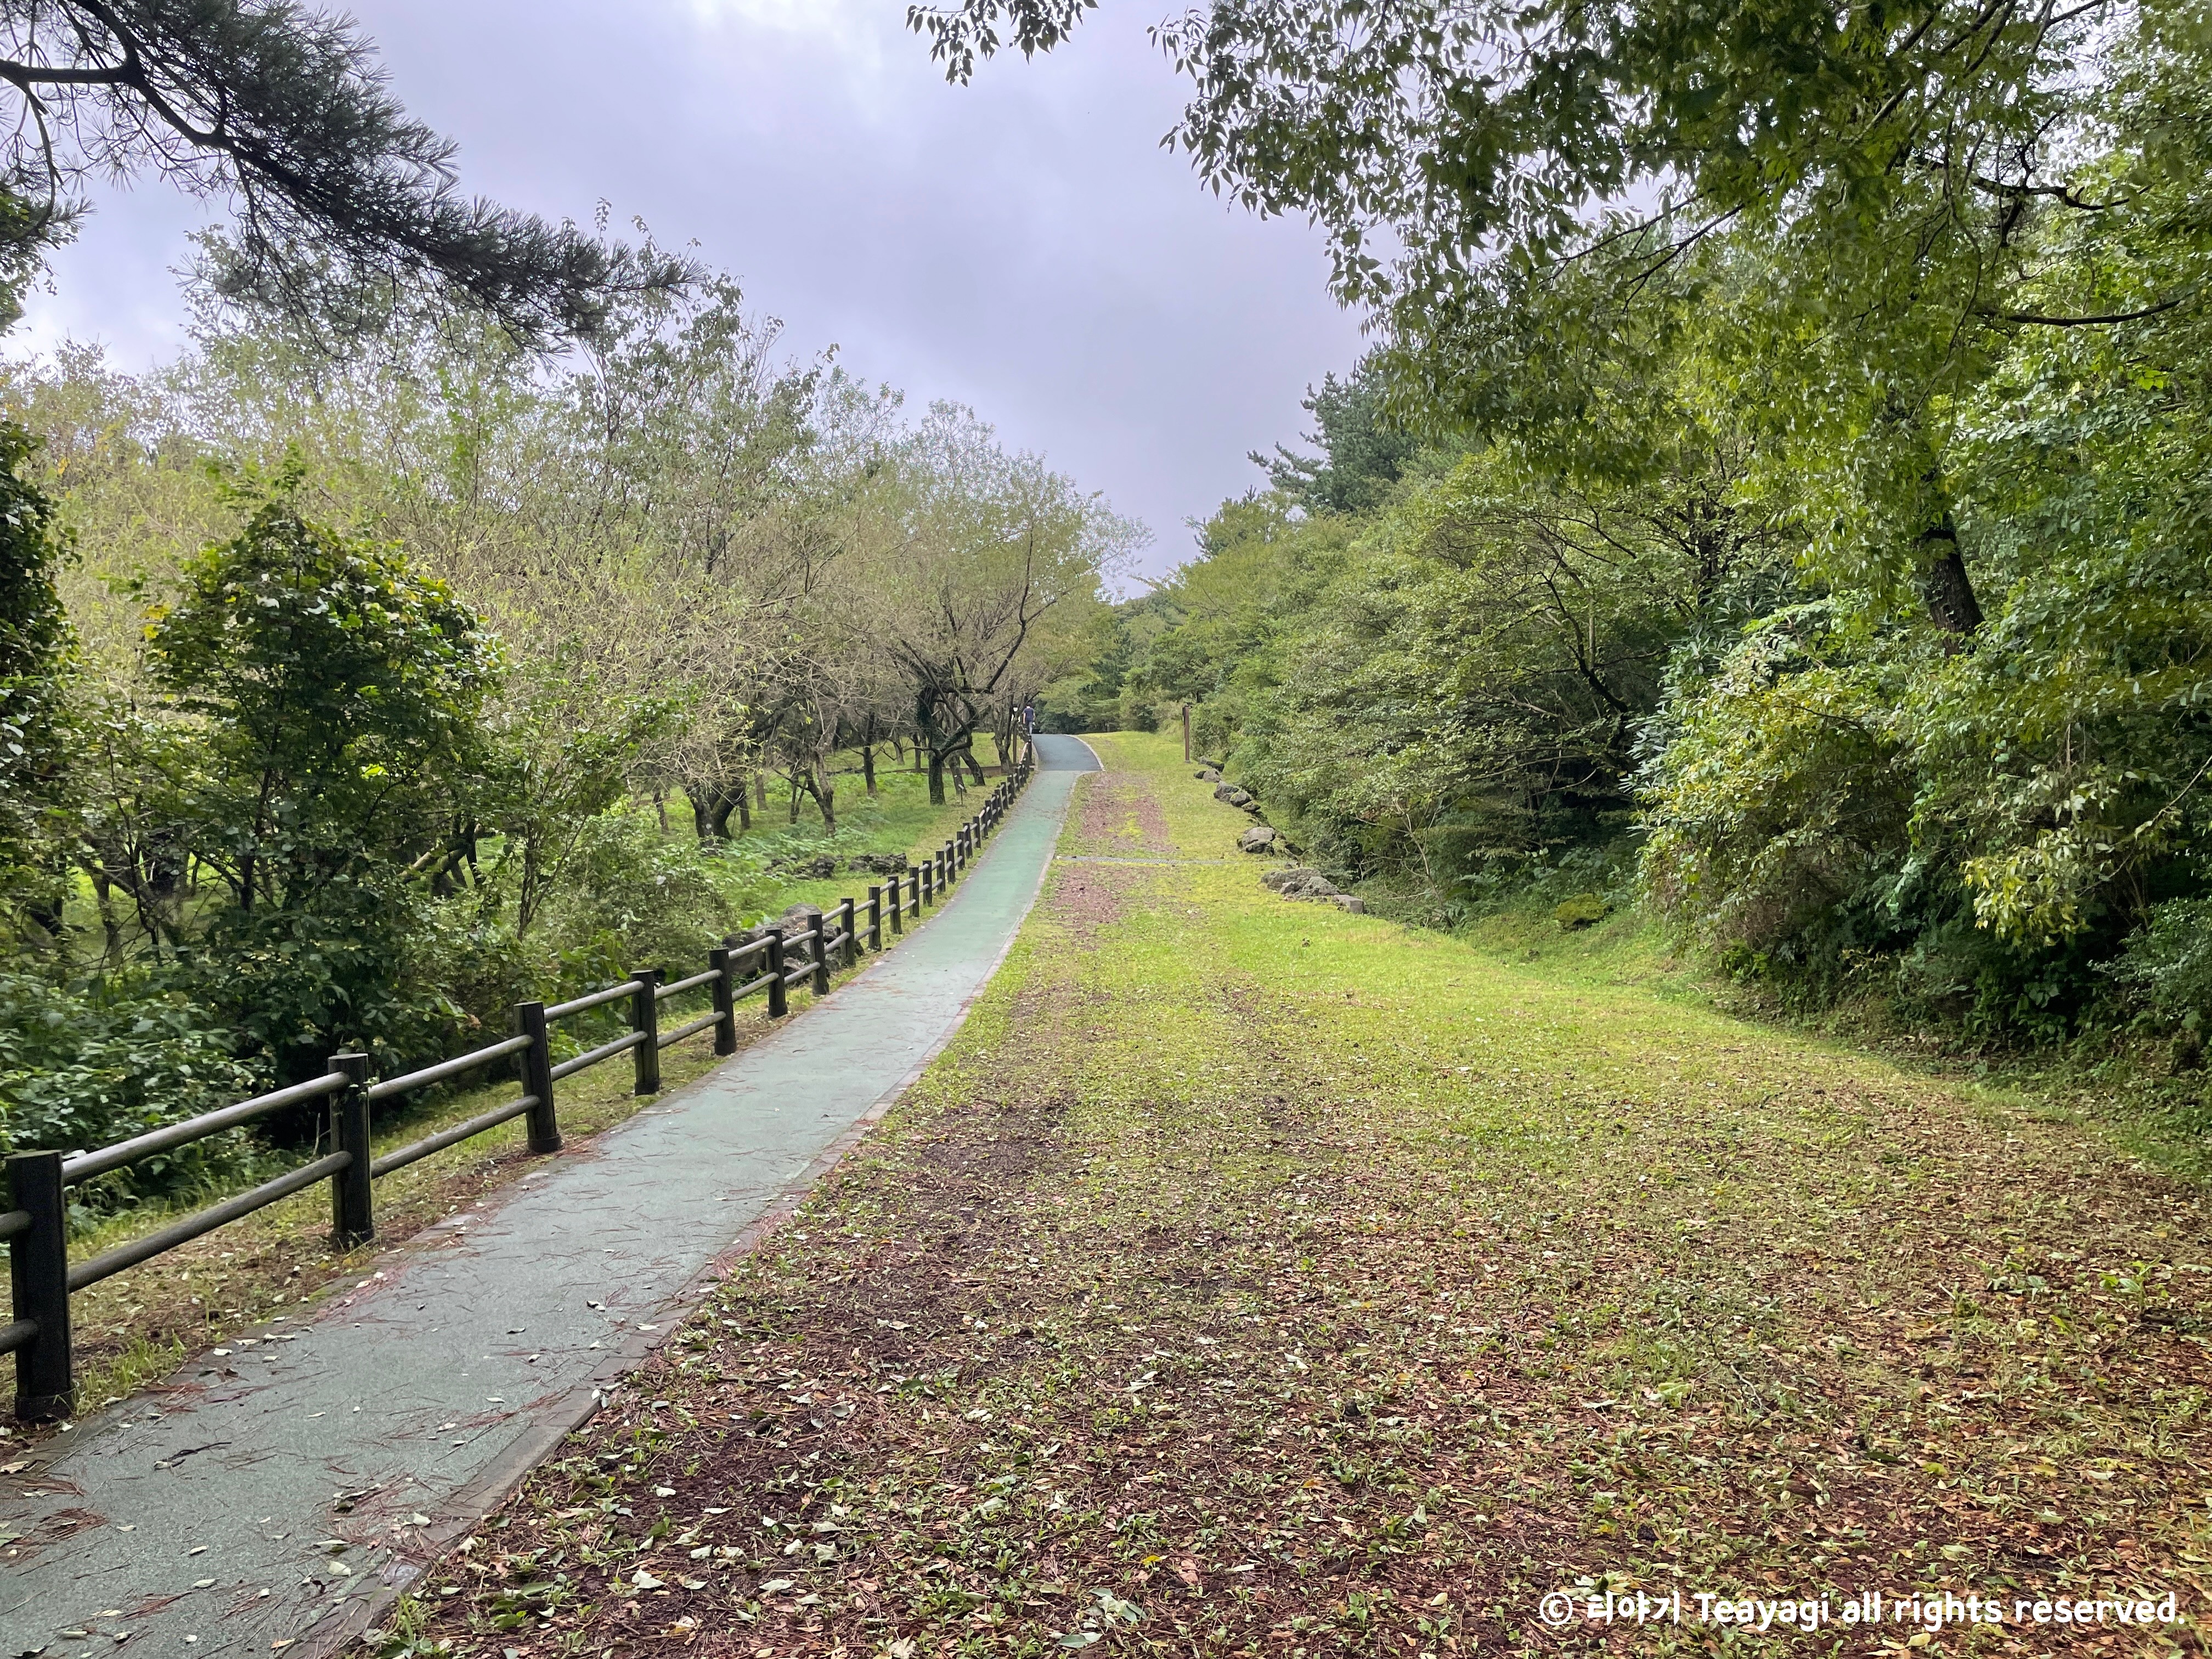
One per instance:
[(1821, 561), (1780, 495), (355, 692)]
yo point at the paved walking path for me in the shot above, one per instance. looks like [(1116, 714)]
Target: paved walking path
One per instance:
[(206, 1519)]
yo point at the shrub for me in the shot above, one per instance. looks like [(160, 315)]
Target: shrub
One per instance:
[(86, 1067), (635, 901), (2166, 965)]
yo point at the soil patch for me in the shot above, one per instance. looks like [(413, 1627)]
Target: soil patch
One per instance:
[(1116, 814)]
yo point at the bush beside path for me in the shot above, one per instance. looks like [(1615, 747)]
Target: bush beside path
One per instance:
[(1253, 1277)]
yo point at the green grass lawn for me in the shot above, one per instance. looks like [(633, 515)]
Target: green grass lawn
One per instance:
[(1252, 1278), (897, 819)]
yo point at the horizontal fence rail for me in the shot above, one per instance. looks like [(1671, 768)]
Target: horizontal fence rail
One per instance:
[(795, 954)]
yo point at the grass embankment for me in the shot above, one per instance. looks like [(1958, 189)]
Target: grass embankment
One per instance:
[(132, 1329), (1252, 1278)]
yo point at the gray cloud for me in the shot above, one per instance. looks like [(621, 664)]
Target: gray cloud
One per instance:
[(1022, 244)]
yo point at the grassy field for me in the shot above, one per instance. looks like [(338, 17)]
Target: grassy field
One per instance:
[(132, 1329), (1253, 1278)]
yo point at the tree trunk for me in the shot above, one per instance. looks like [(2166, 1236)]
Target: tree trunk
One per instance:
[(868, 766), (711, 806), (660, 806), (110, 925), (744, 812), (760, 792), (936, 777), (1949, 590), (826, 796), (532, 892)]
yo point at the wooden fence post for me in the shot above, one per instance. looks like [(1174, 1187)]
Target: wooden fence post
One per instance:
[(537, 1069), (645, 1018), (726, 1001), (818, 942), (779, 994), (38, 1272), (925, 885), (850, 951), (897, 883), (875, 918), (353, 1203)]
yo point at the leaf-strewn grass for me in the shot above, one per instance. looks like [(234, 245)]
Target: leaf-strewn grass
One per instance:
[(1251, 1278)]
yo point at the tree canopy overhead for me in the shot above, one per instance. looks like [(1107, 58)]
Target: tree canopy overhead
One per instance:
[(285, 110), (1467, 159)]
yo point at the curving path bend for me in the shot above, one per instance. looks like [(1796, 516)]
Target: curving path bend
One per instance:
[(199, 1519)]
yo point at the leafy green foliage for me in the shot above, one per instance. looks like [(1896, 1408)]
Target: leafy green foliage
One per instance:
[(632, 900), (82, 1068), (35, 640), (1361, 455), (2168, 964), (302, 789), (1458, 681), (335, 695), (1815, 492)]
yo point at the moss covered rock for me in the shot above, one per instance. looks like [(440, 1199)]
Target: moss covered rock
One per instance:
[(1583, 910)]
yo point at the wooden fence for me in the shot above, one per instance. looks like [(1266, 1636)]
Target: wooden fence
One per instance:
[(35, 1226)]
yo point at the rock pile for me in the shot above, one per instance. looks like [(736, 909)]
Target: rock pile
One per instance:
[(1235, 797), (1300, 881), (1259, 838), (828, 865), (798, 919)]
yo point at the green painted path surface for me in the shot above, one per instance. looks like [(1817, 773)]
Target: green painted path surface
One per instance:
[(260, 1500)]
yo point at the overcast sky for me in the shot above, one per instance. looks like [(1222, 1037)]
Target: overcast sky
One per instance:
[(1022, 244)]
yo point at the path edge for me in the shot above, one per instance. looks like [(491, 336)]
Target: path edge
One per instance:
[(468, 1508)]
